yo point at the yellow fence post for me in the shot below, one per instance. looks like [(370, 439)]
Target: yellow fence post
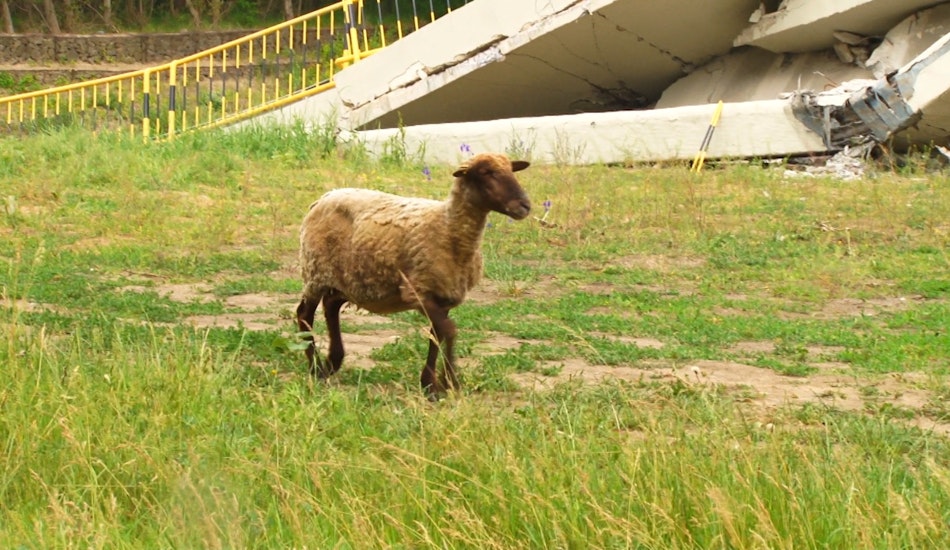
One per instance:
[(146, 124), (352, 34), (172, 82)]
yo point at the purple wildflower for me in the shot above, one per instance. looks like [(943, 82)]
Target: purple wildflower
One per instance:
[(547, 210), (465, 148), (427, 172)]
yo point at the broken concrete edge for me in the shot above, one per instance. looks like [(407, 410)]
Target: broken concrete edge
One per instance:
[(929, 65), (762, 129), (376, 85), (784, 31), (878, 111)]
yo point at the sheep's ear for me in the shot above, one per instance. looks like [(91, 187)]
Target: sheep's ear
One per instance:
[(519, 165), (461, 171)]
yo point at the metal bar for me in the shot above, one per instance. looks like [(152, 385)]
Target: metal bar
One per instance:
[(381, 28)]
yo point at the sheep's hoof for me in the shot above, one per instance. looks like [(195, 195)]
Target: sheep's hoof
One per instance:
[(434, 396), (319, 368), (433, 391), (439, 391)]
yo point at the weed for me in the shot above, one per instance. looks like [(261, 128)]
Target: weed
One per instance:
[(396, 150)]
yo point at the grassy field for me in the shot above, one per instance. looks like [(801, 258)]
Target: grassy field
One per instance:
[(733, 360)]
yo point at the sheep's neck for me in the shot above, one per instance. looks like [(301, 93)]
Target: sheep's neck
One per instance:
[(466, 225)]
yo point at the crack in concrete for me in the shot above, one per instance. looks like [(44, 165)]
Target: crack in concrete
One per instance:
[(685, 65), (462, 58), (620, 97)]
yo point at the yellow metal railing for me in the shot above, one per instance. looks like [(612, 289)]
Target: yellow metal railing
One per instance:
[(259, 72)]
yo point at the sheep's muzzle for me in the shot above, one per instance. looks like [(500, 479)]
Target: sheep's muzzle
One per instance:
[(518, 208)]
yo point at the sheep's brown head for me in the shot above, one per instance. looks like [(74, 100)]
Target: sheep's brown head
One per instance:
[(491, 183)]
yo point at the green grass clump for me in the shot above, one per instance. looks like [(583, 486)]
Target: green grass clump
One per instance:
[(154, 392)]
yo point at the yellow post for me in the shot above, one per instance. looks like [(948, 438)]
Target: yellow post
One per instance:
[(132, 99), (172, 83), (350, 24), (146, 124), (700, 157)]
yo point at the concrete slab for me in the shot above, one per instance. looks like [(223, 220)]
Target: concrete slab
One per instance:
[(748, 129), (610, 81), (559, 57), (749, 74), (809, 25), (913, 104)]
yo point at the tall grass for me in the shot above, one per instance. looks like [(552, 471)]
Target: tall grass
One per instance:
[(122, 425), (165, 441)]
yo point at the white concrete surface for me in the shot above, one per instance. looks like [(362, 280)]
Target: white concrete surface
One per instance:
[(748, 129)]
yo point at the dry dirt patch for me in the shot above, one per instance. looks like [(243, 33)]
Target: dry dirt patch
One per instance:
[(814, 353), (644, 343), (853, 307), (657, 262), (833, 385), (759, 386), (247, 321), (184, 292), (266, 311)]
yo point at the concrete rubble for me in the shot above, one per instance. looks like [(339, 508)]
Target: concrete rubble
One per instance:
[(590, 81)]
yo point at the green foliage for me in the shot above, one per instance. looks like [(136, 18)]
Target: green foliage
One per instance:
[(10, 84)]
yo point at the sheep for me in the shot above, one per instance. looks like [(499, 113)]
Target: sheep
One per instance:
[(385, 253)]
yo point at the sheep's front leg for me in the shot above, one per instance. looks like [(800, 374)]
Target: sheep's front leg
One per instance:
[(435, 383), (305, 313)]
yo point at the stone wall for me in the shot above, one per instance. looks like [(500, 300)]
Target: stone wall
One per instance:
[(39, 49)]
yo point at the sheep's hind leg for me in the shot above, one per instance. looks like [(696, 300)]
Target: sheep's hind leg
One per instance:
[(332, 302), (435, 383)]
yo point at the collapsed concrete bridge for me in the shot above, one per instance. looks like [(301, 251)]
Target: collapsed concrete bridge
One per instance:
[(625, 80)]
